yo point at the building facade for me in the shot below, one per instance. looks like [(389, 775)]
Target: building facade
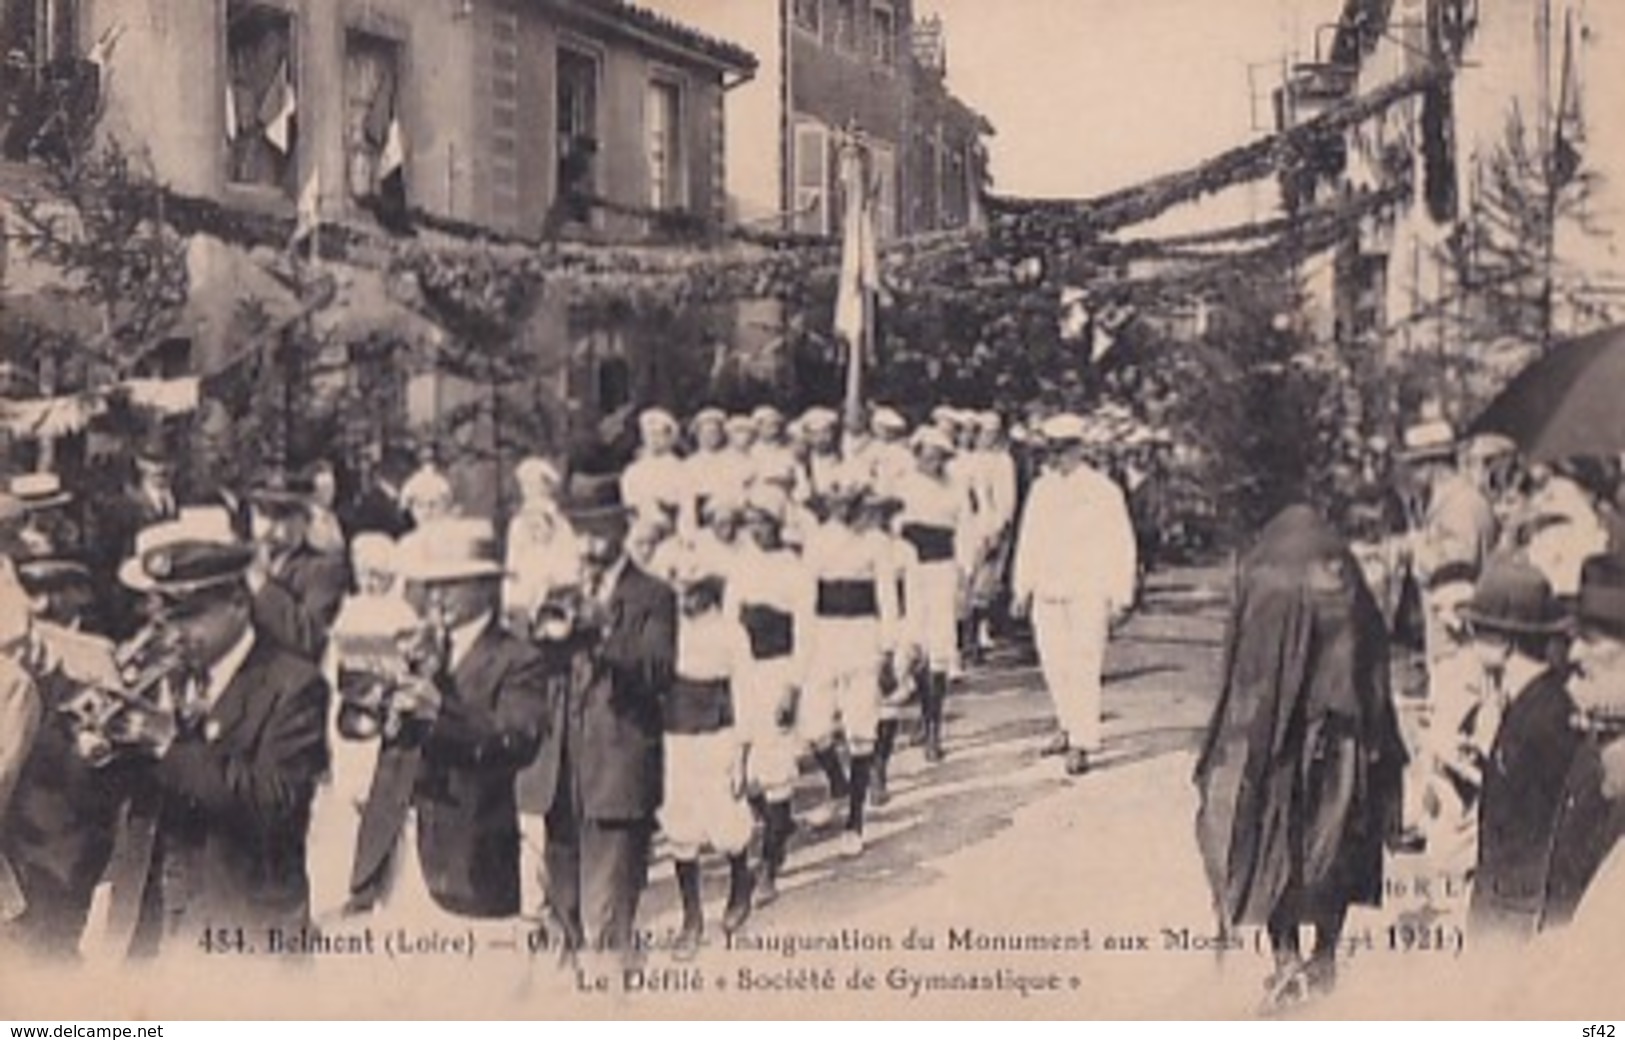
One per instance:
[(591, 120), (830, 68), (1403, 285)]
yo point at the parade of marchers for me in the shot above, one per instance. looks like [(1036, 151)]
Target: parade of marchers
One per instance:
[(271, 721), (276, 713)]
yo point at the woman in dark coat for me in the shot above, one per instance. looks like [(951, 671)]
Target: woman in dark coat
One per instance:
[(1299, 775)]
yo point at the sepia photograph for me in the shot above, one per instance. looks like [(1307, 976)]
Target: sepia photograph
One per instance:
[(812, 510)]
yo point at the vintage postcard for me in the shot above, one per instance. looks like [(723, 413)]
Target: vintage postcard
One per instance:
[(811, 509)]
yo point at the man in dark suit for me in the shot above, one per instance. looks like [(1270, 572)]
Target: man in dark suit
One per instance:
[(597, 778), (461, 731), (315, 581), (213, 837), (148, 501), (379, 507), (1514, 618)]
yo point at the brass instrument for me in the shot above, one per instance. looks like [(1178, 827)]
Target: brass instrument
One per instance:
[(368, 705), (121, 704)]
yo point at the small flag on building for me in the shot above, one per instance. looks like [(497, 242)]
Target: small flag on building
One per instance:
[(309, 216), (277, 111), (388, 200), (102, 51)]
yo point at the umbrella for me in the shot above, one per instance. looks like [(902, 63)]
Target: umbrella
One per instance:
[(1568, 402)]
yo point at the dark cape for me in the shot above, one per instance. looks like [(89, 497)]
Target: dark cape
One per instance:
[(1299, 774)]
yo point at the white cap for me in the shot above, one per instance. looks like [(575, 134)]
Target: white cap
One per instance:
[(932, 438), (888, 420), (1065, 428), (656, 420)]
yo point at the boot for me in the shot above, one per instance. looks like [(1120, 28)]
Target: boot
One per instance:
[(885, 741), (741, 883), (688, 884), (932, 712), (829, 760), (775, 841), (859, 794)]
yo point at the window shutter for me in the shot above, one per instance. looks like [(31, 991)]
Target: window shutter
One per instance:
[(812, 179), (505, 115)]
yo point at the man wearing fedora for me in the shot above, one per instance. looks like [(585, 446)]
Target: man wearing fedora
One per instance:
[(315, 581), (598, 777), (1593, 815), (1513, 617), (214, 834), (442, 814)]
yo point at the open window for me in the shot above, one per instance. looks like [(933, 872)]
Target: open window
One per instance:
[(883, 35), (577, 132), (49, 90), (262, 103), (663, 113), (808, 15), (372, 129)]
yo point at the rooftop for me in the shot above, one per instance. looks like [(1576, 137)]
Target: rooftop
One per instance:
[(721, 52)]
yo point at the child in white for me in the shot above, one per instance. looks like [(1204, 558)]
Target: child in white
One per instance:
[(938, 521), (771, 593), (706, 754), (855, 625)]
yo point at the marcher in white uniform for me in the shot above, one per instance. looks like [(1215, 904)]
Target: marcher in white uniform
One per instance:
[(542, 553), (827, 467), (856, 617), (939, 522), (771, 593), (773, 457), (707, 753), (887, 460), (995, 468), (652, 485), (1075, 571), (963, 469), (709, 471), (905, 680)]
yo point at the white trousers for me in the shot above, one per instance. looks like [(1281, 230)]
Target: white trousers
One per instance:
[(700, 808), (1071, 637)]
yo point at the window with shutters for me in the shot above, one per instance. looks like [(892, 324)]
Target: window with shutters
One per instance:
[(883, 171), (808, 16), (663, 113), (372, 130), (262, 99), (883, 35), (812, 166), (577, 130)]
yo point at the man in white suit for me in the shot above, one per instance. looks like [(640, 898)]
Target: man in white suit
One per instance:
[(1074, 571)]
